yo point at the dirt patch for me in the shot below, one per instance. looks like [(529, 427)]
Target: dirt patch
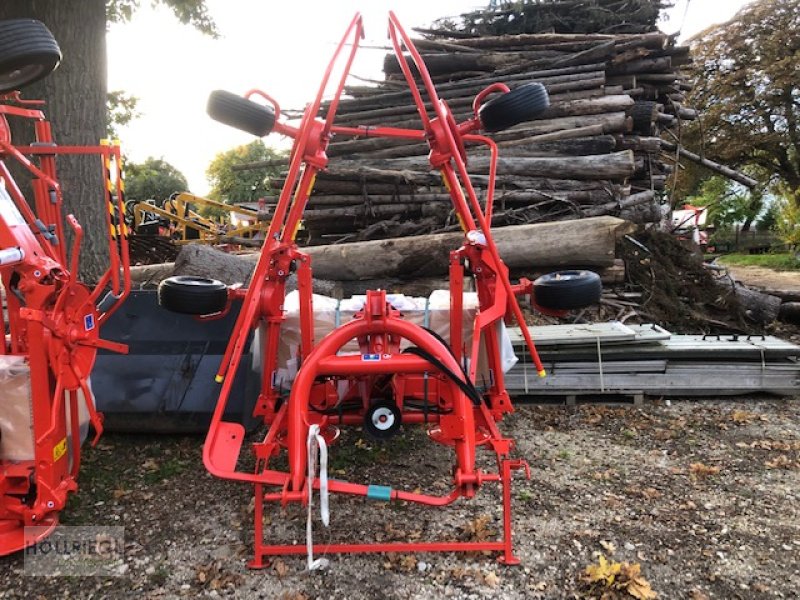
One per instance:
[(704, 495), (768, 279)]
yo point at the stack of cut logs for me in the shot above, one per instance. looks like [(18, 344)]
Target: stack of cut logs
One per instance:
[(597, 150)]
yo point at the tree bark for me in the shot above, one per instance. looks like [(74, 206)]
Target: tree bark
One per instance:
[(618, 165), (76, 104), (746, 181), (758, 307)]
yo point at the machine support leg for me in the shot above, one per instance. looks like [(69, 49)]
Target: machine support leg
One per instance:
[(508, 557), (258, 530)]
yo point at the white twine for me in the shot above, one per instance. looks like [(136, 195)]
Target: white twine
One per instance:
[(316, 444)]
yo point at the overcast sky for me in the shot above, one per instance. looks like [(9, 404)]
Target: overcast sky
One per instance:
[(279, 47)]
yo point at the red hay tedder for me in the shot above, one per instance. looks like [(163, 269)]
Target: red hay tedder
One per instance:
[(430, 372), (52, 319)]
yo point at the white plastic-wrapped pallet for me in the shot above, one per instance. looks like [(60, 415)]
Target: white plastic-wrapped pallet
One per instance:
[(432, 312), (16, 418)]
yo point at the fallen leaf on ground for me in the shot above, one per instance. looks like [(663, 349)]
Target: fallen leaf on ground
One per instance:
[(613, 580), (608, 546), (280, 568), (700, 470), (742, 417), (150, 465), (780, 462), (491, 579)]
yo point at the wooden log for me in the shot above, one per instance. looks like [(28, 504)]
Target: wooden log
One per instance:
[(647, 65), (613, 122), (582, 146), (410, 202), (354, 211), (334, 186), (789, 312), (458, 101), (464, 88), (784, 295), (732, 174), (658, 78), (577, 107), (646, 212), (565, 127), (343, 171), (618, 165), (588, 242), (619, 206), (655, 40), (758, 307), (650, 145), (439, 63), (604, 104), (424, 286), (547, 76)]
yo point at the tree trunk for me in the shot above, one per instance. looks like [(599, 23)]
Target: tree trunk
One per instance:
[(76, 105)]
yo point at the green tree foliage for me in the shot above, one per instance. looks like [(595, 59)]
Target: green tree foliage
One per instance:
[(154, 178), (121, 111), (728, 203), (188, 12), (787, 223), (748, 87), (80, 28), (232, 186), (122, 106)]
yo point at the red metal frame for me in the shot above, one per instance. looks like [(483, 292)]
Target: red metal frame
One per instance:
[(464, 424), (53, 318)]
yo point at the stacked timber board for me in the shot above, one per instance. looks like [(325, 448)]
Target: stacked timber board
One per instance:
[(612, 358), (596, 150)]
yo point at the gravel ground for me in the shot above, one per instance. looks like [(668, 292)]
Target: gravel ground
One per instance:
[(703, 494)]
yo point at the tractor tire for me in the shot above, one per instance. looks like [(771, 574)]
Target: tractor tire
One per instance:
[(644, 115), (567, 290), (517, 106), (192, 295), (240, 113), (28, 52)]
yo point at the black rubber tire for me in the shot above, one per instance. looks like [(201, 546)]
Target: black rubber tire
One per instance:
[(240, 113), (192, 295), (517, 106), (567, 290), (643, 115), (379, 432), (28, 52)]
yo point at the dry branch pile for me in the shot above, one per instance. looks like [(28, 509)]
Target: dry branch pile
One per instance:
[(596, 151)]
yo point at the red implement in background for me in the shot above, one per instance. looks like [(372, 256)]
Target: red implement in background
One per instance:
[(52, 319), (433, 382)]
